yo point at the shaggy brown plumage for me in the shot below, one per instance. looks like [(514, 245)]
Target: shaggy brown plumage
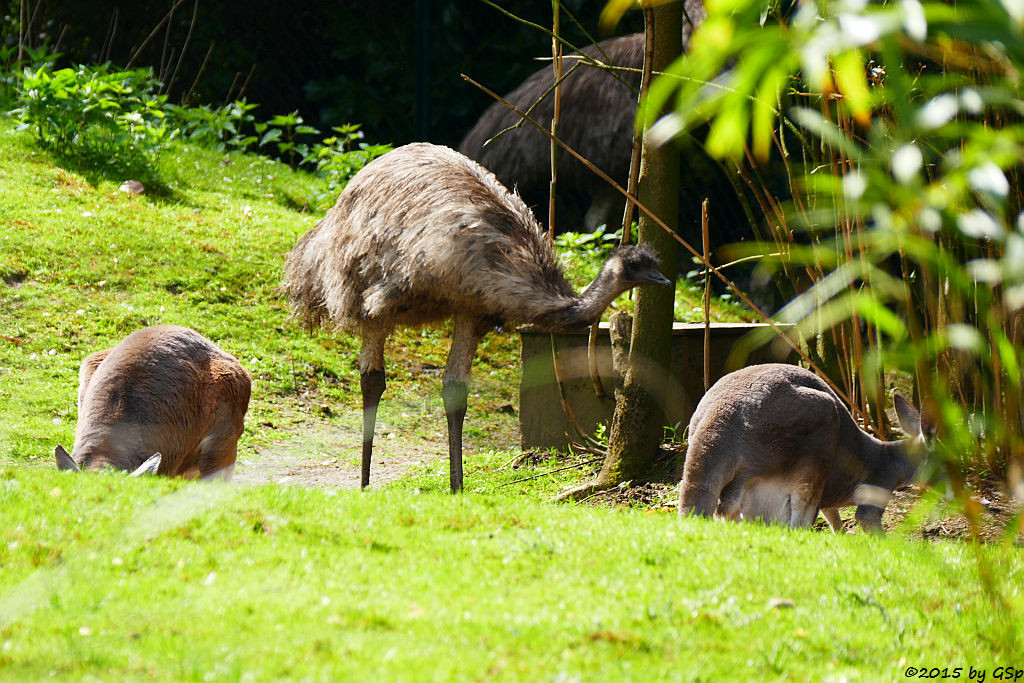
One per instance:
[(422, 234), (595, 119)]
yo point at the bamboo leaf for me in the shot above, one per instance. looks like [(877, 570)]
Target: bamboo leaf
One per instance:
[(848, 69)]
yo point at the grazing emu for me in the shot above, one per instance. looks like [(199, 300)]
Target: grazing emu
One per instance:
[(596, 120), (774, 442), (165, 400), (422, 234)]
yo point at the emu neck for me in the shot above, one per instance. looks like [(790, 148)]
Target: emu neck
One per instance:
[(588, 306)]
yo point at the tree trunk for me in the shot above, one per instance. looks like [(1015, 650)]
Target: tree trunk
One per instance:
[(639, 418)]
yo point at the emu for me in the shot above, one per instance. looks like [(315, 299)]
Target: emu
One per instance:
[(596, 119), (423, 234)]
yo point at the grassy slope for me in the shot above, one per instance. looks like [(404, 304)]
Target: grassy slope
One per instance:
[(83, 265), (97, 579)]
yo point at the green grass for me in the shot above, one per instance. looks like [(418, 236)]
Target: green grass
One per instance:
[(83, 264), (108, 577), (117, 578)]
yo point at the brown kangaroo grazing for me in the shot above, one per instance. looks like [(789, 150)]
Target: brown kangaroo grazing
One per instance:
[(774, 442), (165, 401)]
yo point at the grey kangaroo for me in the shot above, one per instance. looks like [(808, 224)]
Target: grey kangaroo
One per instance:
[(774, 442), (164, 401)]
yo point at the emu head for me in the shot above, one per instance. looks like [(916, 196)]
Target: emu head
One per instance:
[(637, 264), (66, 462)]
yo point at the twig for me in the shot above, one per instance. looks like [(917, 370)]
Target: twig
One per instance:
[(588, 441), (231, 88), (60, 39), (592, 461), (595, 374), (21, 29), (515, 460), (152, 34), (518, 124), (164, 59), (184, 47), (32, 19), (245, 84), (556, 68), (660, 223), (752, 257), (633, 181), (706, 239), (549, 32), (598, 492), (202, 67), (108, 42)]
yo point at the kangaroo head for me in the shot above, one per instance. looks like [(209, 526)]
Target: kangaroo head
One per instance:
[(901, 466), (919, 426), (66, 462)]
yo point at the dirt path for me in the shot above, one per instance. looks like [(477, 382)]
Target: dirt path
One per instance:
[(329, 457)]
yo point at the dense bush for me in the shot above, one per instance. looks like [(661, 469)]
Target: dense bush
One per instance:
[(103, 116), (334, 62), (906, 235), (118, 121)]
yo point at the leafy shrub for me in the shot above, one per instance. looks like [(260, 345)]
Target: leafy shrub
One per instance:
[(11, 64), (221, 128), (118, 121), (339, 157), (93, 113), (283, 130), (911, 201)]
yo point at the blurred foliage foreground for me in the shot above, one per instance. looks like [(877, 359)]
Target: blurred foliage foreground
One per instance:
[(903, 240)]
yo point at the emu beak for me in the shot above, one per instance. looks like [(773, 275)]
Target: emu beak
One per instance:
[(653, 277)]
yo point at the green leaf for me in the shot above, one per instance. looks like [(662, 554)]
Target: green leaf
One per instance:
[(270, 136), (728, 132), (874, 312), (848, 69), (765, 111)]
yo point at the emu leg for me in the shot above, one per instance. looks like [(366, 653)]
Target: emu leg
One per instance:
[(455, 396), (372, 385), (466, 336)]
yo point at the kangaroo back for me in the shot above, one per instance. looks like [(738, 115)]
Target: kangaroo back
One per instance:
[(164, 390), (774, 442)]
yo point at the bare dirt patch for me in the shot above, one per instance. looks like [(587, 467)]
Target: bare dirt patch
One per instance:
[(328, 456)]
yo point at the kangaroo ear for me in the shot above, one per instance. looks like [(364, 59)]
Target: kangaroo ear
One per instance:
[(909, 418), (929, 418), (64, 461), (150, 466)]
